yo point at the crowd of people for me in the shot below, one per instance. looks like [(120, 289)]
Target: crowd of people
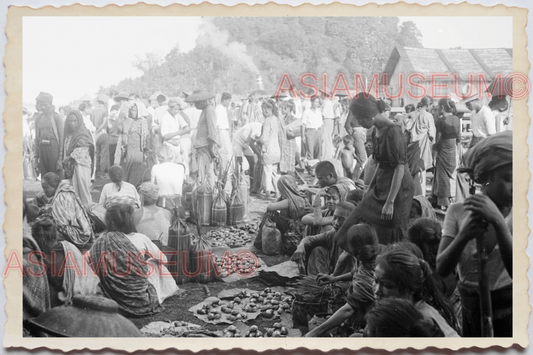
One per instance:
[(362, 215)]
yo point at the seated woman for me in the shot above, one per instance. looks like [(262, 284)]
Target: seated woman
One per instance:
[(67, 212), (119, 191), (319, 253), (399, 273), (397, 317), (63, 281), (287, 211), (361, 242), (151, 220), (489, 215), (321, 219), (139, 287)]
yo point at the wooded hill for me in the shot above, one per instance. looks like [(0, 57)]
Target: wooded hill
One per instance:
[(231, 51)]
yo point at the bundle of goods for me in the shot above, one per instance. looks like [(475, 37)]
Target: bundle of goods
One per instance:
[(237, 209), (232, 237), (219, 212), (311, 299), (203, 200), (201, 261), (236, 263), (179, 239), (271, 241)]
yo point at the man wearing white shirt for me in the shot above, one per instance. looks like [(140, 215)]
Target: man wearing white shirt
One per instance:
[(173, 126), (312, 129), (328, 117), (159, 111), (482, 121)]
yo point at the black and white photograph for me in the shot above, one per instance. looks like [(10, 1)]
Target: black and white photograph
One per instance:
[(269, 177)]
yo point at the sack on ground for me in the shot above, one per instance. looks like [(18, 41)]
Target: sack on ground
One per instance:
[(271, 238)]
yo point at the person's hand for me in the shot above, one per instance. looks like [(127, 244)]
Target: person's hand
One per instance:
[(506, 121), (387, 211), (471, 226), (298, 255), (484, 207), (324, 279), (59, 165)]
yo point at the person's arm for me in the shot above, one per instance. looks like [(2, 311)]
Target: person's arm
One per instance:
[(103, 125), (340, 316), (453, 243), (388, 207), (318, 218), (486, 209), (348, 124), (324, 279), (277, 206)]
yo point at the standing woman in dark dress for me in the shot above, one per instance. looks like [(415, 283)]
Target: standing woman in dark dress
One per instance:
[(448, 137), (387, 201)]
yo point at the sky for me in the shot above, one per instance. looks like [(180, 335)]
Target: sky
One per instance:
[(73, 56)]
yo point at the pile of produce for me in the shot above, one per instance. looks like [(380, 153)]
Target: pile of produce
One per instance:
[(276, 331), (236, 263), (233, 237), (213, 310), (272, 304)]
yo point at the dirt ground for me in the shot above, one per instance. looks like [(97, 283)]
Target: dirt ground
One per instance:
[(176, 307)]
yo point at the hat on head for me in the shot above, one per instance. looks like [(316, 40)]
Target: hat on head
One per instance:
[(44, 97), (122, 96), (468, 93), (199, 96)]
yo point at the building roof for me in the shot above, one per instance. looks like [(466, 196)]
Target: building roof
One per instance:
[(489, 61)]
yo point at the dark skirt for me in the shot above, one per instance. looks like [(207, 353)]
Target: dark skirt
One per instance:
[(370, 208)]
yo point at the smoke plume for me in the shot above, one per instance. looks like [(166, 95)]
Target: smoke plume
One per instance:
[(210, 35)]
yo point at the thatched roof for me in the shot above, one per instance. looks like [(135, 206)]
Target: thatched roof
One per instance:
[(489, 61)]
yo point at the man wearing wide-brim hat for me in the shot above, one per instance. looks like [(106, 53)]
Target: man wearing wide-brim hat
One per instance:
[(207, 140), (482, 121), (48, 136)]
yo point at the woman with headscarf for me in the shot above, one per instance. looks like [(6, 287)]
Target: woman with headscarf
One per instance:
[(388, 198), (448, 137), (287, 211), (321, 219), (78, 153), (118, 191), (130, 267), (67, 212), (135, 135), (270, 147), (487, 215), (152, 220)]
